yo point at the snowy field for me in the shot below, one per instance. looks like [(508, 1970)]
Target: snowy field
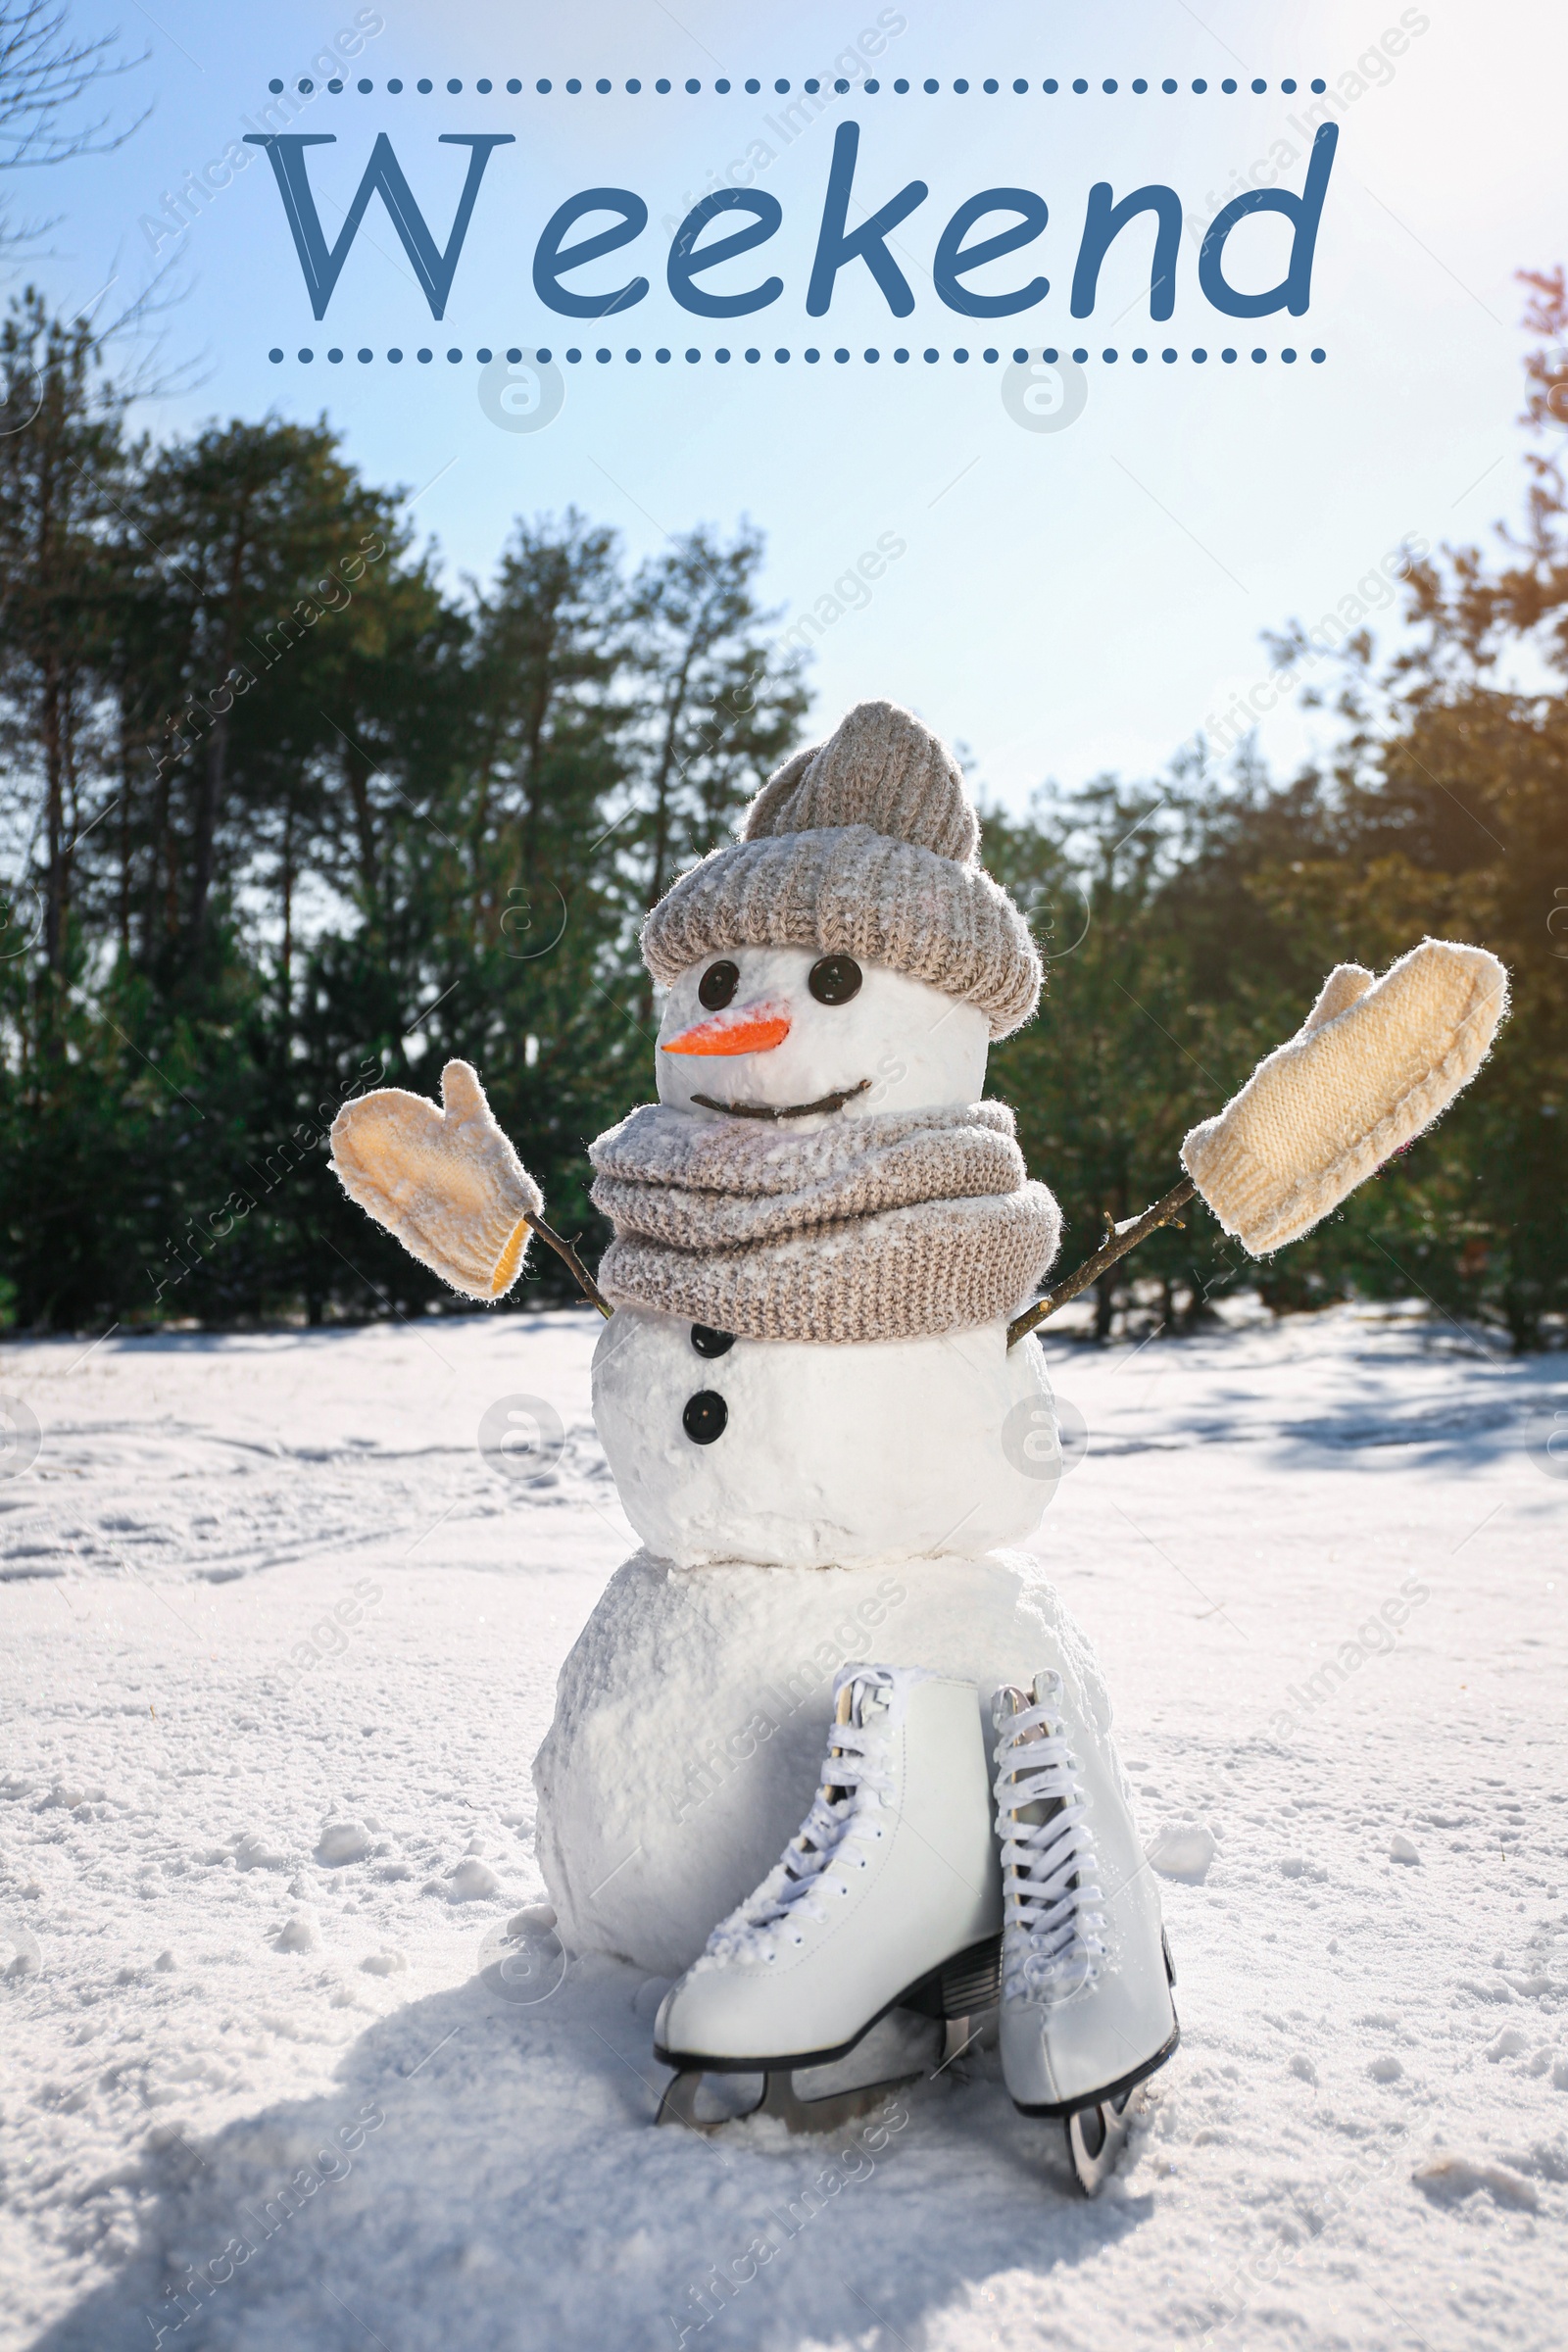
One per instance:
[(277, 1643)]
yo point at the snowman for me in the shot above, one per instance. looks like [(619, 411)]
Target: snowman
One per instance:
[(829, 1751)]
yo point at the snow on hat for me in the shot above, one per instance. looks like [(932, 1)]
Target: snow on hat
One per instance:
[(866, 846)]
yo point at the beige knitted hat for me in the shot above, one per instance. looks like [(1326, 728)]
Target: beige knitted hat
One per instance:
[(866, 846)]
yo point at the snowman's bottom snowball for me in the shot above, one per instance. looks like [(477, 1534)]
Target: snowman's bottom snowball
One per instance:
[(691, 1719)]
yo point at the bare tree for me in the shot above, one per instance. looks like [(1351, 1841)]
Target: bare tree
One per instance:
[(49, 89)]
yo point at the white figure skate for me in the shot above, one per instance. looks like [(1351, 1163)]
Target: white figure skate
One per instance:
[(889, 1896), (1086, 2006)]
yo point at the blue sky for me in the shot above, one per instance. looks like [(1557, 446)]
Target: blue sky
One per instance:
[(1066, 600)]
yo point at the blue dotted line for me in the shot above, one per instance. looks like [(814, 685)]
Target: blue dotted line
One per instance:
[(842, 355), (752, 87)]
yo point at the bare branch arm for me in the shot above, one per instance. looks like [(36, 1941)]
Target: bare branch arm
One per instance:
[(574, 1266), (1115, 1244)]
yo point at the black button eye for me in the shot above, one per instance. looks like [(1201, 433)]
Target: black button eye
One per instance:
[(704, 1416), (834, 979), (717, 985), (708, 1342)]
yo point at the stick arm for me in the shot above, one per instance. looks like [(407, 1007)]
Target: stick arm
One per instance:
[(574, 1264), (1116, 1244)]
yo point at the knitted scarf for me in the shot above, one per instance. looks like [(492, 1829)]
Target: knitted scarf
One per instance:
[(893, 1227)]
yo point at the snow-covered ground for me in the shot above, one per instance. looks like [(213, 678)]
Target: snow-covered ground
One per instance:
[(280, 1642)]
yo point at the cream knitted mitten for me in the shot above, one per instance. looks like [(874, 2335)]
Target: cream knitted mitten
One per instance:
[(446, 1182), (1374, 1064)]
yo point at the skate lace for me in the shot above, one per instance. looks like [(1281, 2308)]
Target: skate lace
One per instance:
[(1052, 1929), (846, 1811)]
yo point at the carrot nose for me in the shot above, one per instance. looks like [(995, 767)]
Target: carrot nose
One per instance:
[(749, 1029)]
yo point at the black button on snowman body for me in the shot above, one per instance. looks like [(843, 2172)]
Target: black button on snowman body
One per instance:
[(706, 1414)]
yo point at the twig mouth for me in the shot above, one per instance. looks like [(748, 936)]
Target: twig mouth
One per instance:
[(783, 1111)]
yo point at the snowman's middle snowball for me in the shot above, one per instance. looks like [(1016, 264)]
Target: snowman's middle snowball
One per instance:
[(824, 1456)]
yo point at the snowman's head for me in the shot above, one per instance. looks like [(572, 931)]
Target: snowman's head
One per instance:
[(785, 1033), (848, 953)]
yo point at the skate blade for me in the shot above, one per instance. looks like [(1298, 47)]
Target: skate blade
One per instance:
[(780, 2100), (801, 2109), (1097, 2135)]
